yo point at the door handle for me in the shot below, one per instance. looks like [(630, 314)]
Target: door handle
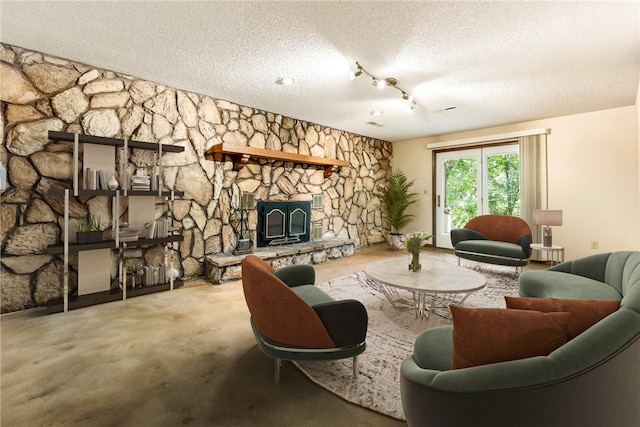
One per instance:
[(438, 201)]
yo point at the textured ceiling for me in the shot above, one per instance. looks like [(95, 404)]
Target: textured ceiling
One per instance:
[(497, 62)]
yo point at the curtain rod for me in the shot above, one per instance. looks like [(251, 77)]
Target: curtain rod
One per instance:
[(487, 138)]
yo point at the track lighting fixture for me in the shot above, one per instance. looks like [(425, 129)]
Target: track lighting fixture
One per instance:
[(382, 83)]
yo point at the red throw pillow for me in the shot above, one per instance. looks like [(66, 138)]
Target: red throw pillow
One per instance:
[(490, 335), (585, 312)]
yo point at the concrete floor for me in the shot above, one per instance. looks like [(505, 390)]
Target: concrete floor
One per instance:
[(186, 357)]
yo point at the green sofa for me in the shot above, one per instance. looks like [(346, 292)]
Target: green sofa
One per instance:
[(592, 380)]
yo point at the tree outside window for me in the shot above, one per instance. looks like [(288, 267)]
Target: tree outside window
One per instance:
[(503, 187)]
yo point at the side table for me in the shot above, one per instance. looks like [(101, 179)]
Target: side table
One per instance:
[(557, 252)]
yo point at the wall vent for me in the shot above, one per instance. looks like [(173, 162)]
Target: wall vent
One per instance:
[(316, 232), (248, 200), (316, 202)]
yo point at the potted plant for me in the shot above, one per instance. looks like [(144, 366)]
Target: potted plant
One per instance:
[(89, 229), (395, 198)]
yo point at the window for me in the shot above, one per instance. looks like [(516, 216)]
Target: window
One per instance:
[(475, 182)]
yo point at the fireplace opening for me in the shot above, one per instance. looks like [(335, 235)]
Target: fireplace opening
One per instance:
[(281, 223)]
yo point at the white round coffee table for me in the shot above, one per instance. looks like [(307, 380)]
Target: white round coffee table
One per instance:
[(435, 278)]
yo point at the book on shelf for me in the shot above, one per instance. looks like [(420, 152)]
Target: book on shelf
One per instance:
[(140, 183), (152, 231), (155, 182), (101, 181), (94, 180), (160, 228), (154, 173), (127, 234), (89, 179), (154, 275)]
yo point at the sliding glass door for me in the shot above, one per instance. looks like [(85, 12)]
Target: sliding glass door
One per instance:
[(475, 182)]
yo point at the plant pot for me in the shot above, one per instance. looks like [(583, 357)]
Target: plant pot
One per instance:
[(395, 241), (84, 237)]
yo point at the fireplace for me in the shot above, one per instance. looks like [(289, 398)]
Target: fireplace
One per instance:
[(282, 223)]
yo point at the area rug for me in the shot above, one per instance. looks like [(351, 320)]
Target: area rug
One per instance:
[(390, 339)]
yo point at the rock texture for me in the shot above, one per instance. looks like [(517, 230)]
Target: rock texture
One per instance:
[(42, 93)]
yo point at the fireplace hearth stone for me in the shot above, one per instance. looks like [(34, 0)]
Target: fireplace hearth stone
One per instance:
[(221, 268)]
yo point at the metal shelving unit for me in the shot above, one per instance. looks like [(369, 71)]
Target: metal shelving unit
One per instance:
[(68, 302)]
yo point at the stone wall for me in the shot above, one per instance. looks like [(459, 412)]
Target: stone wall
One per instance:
[(40, 92)]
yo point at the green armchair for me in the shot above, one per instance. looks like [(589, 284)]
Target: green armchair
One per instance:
[(292, 319), (494, 239)]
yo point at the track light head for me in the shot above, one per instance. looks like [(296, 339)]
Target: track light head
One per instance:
[(357, 73), (391, 81)]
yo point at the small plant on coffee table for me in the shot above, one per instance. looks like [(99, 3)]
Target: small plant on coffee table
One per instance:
[(414, 243)]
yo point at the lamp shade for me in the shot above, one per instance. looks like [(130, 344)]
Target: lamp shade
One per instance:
[(547, 217)]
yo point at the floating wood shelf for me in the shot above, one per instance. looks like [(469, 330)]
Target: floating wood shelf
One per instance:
[(242, 154)]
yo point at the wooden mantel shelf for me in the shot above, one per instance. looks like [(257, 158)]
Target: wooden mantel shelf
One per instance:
[(242, 154)]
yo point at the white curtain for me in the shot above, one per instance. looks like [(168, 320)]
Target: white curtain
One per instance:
[(533, 179)]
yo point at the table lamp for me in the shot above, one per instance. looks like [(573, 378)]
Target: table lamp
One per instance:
[(547, 218)]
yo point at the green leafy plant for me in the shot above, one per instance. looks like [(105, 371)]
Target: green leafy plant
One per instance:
[(89, 223), (416, 240), (413, 243), (395, 198)]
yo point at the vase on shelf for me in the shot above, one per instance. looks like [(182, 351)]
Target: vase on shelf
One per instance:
[(113, 183)]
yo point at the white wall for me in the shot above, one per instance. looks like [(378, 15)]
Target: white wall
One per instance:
[(638, 134), (593, 166)]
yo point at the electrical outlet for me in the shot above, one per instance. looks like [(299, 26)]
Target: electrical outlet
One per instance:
[(594, 244)]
